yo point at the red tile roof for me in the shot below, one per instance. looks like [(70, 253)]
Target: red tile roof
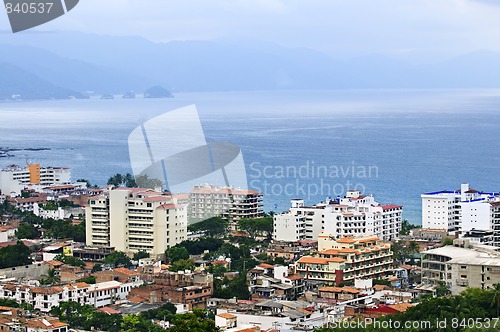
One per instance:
[(391, 206)]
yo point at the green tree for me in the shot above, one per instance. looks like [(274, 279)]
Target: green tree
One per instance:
[(196, 321), (140, 254), (197, 247), (165, 312), (144, 181), (70, 260), (6, 207), (26, 231), (53, 277), (237, 287), (14, 255), (89, 185), (447, 242), (88, 280), (9, 303), (181, 265), (118, 258), (495, 300), (406, 227), (176, 253), (119, 180), (212, 227), (86, 317), (258, 226), (96, 268)]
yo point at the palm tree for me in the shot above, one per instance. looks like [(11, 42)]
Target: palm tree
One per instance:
[(53, 277), (495, 301)]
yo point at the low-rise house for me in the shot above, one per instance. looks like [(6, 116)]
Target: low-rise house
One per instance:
[(47, 324), (274, 282), (273, 314), (192, 289), (45, 298), (120, 274), (338, 293)]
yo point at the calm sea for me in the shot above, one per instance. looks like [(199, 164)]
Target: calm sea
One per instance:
[(296, 144)]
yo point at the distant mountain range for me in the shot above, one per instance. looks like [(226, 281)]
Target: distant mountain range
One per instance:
[(62, 64)]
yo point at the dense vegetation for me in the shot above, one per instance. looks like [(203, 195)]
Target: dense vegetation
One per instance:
[(117, 259), (211, 227), (14, 255)]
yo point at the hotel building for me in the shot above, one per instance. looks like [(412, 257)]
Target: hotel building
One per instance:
[(134, 219), (462, 210), (208, 201), (462, 265), (14, 178), (347, 259), (353, 215)]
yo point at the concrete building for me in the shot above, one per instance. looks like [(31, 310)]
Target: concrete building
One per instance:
[(192, 289), (462, 265), (14, 178), (134, 219), (353, 215), (206, 201), (45, 298), (347, 259), (464, 209), (47, 324)]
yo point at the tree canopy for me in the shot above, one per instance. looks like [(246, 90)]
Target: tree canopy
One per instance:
[(212, 227), (119, 180), (14, 255), (176, 253), (118, 258), (258, 226)]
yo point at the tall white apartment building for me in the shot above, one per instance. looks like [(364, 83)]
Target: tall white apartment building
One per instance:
[(134, 219), (206, 201), (14, 178), (352, 215), (462, 210)]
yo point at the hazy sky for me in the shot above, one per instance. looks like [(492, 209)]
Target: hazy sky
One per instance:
[(410, 29)]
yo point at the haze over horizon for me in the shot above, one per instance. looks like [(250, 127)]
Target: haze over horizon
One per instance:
[(417, 31)]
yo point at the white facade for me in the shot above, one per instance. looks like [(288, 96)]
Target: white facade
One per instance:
[(462, 265), (134, 219), (462, 210), (46, 214), (15, 178), (45, 298), (353, 215)]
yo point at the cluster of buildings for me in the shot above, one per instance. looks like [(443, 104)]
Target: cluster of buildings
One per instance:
[(17, 319), (135, 219), (472, 218), (314, 309), (347, 259), (352, 215), (465, 212), (461, 265), (332, 251), (14, 178)]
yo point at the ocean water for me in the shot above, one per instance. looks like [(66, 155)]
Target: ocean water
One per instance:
[(394, 144)]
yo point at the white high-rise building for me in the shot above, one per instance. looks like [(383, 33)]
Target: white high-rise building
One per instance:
[(353, 215), (134, 219), (15, 178), (462, 210)]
